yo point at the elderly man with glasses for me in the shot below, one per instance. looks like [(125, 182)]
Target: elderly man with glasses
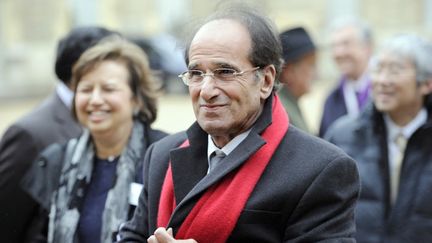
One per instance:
[(241, 173), (391, 142)]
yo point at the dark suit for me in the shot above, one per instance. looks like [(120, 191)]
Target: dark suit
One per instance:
[(307, 192), (22, 142), (334, 107)]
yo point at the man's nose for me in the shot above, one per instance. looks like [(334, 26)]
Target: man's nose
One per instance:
[(208, 87), (339, 50)]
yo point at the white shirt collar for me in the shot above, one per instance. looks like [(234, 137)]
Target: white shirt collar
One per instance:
[(229, 147), (407, 130), (65, 94), (349, 91), (359, 84), (393, 131)]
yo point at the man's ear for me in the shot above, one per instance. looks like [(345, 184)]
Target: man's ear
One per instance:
[(426, 87), (269, 73)]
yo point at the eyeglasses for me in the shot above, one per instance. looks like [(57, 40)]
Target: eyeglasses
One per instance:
[(196, 77), (392, 70)]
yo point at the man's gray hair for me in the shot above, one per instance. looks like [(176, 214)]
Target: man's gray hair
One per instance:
[(363, 28), (414, 48)]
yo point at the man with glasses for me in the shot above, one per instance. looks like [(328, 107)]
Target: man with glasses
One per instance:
[(240, 173), (391, 142)]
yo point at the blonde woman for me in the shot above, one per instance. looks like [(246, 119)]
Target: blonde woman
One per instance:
[(102, 169)]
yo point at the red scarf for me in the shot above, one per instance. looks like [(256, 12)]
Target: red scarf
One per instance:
[(216, 213)]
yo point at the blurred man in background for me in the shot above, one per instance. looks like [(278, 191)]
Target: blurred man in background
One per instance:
[(298, 70), (351, 48), (51, 122), (391, 142)]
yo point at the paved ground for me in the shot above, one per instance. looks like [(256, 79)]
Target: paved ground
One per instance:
[(175, 111)]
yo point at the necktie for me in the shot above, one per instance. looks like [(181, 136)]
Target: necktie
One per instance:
[(400, 142), (362, 97), (359, 99), (215, 157)]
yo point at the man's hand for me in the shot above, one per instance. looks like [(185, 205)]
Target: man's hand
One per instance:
[(162, 235)]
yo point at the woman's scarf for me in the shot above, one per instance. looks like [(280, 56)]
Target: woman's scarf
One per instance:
[(215, 215), (76, 175)]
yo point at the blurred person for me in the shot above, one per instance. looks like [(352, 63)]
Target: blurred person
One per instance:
[(391, 142), (155, 58), (166, 45), (172, 61), (101, 174), (165, 58), (51, 122), (298, 70), (240, 173), (351, 48)]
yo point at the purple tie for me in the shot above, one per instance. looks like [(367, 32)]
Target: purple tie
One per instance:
[(362, 97)]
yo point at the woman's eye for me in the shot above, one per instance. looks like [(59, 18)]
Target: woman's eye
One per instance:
[(109, 89), (84, 89)]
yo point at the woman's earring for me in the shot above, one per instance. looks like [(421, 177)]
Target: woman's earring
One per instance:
[(136, 111)]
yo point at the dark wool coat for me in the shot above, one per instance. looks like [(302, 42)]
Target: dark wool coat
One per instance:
[(410, 219)]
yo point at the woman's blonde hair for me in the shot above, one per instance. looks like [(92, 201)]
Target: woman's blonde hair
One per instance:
[(144, 86)]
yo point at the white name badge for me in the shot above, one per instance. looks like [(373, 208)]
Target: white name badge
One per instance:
[(134, 192)]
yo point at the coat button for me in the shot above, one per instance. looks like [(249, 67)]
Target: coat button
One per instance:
[(41, 163), (80, 192)]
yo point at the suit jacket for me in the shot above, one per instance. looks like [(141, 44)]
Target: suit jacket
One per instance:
[(307, 192), (22, 142), (334, 107)]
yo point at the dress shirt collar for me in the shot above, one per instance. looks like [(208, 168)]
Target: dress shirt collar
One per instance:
[(360, 84), (65, 94), (393, 130), (229, 147)]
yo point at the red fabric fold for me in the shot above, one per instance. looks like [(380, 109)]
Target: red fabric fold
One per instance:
[(216, 213)]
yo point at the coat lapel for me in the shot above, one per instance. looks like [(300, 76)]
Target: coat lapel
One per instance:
[(187, 171), (64, 119), (227, 165)]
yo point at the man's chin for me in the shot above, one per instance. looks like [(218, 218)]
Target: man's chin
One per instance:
[(212, 127), (346, 70), (383, 107)]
